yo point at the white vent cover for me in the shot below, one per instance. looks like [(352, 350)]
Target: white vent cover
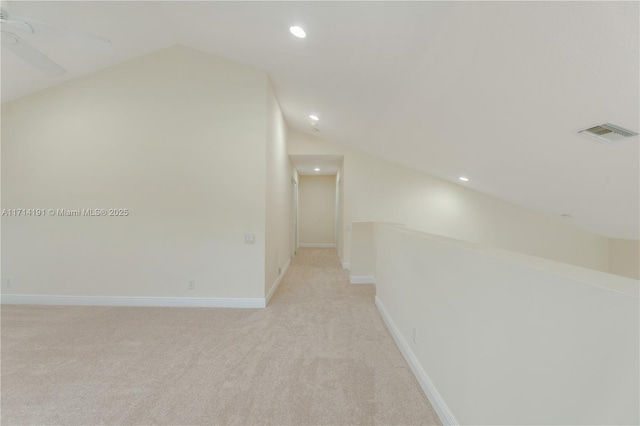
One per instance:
[(607, 133)]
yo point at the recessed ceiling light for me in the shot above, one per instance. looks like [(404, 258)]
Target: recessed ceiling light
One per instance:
[(464, 179), (314, 117), (298, 32), (316, 169)]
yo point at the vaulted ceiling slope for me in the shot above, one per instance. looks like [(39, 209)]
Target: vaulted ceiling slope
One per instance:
[(495, 91)]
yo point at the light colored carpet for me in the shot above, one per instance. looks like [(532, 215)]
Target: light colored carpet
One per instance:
[(319, 354)]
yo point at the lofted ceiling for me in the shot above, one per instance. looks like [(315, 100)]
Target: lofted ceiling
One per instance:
[(495, 91)]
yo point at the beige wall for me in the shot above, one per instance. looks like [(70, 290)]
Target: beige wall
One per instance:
[(278, 188), (363, 256), (624, 258), (377, 190), (178, 138), (317, 210)]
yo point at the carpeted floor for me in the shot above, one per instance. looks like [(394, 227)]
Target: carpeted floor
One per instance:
[(319, 354)]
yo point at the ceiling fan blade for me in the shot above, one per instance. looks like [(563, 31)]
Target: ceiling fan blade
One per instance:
[(73, 38), (31, 55), (18, 25)]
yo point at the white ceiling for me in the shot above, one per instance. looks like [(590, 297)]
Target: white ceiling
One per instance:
[(491, 90), (306, 164)]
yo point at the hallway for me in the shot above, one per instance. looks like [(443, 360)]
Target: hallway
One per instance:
[(318, 354)]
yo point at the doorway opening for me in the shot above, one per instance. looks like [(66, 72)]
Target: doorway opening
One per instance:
[(317, 201)]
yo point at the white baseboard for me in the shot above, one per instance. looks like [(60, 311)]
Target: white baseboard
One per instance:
[(186, 302), (438, 404), (316, 245), (276, 283), (346, 265), (362, 279)]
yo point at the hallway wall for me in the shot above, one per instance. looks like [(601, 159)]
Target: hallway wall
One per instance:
[(340, 213), (317, 210), (624, 258), (277, 193)]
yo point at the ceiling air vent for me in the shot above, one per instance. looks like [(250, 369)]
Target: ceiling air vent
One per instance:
[(607, 133)]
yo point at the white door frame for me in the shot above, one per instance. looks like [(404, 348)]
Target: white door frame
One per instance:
[(295, 214), (336, 215)]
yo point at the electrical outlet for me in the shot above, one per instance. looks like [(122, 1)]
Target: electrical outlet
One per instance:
[(250, 238), (413, 336), (192, 285), (9, 283)]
